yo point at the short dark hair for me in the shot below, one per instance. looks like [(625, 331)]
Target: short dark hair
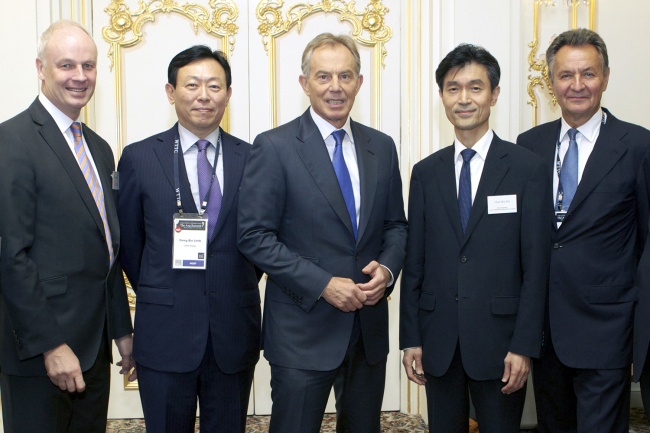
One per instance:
[(463, 55), (577, 38), (197, 52)]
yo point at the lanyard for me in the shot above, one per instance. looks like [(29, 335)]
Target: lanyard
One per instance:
[(558, 168), (177, 189)]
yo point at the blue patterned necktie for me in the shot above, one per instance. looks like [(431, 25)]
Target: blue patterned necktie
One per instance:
[(569, 172), (93, 183), (204, 169), (343, 176), (465, 187)]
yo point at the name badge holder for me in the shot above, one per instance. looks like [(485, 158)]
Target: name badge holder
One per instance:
[(190, 235)]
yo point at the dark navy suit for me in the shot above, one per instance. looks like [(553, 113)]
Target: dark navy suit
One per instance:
[(178, 310), (592, 292), (294, 224), (470, 298)]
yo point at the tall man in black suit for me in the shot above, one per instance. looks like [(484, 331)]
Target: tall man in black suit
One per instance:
[(322, 214), (197, 331), (582, 379), (474, 282), (63, 297)]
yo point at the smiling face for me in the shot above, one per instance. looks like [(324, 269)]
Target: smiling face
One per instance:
[(68, 70), (200, 96), (332, 84), (578, 83), (467, 97)]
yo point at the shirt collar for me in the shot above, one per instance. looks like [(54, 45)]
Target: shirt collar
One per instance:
[(589, 130), (61, 120), (481, 147), (188, 139), (327, 128)]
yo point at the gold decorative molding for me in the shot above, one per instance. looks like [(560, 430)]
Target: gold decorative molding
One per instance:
[(540, 65), (125, 30), (370, 22)]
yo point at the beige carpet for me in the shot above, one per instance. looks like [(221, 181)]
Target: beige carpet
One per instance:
[(392, 422)]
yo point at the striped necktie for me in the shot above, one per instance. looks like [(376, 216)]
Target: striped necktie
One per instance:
[(93, 182)]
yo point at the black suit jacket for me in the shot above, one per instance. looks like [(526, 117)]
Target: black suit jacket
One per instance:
[(294, 225), (595, 251), (486, 287), (57, 282), (176, 307)]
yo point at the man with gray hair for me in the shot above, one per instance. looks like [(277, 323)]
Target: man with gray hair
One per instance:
[(321, 212), (63, 297), (582, 378)]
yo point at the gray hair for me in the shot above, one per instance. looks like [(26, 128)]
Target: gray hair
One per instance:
[(330, 39), (577, 38), (51, 30)]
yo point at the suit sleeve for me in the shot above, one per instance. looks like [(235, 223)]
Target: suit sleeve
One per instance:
[(643, 205), (393, 244), (413, 275), (536, 232), (34, 324), (261, 203), (131, 216)]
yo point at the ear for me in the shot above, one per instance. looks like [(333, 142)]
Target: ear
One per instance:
[(605, 79), (440, 92), (303, 82), (228, 95), (359, 83), (169, 89), (39, 69), (495, 96)]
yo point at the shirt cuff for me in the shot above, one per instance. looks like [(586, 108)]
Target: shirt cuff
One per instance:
[(392, 278)]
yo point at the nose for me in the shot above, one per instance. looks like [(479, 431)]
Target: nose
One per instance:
[(80, 73), (203, 93), (464, 97), (335, 85), (577, 84)]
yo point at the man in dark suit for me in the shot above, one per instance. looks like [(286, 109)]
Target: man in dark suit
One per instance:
[(322, 214), (63, 297), (582, 379), (474, 281), (197, 331)]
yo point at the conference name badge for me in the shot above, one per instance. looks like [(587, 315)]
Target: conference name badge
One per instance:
[(190, 241), (502, 204)]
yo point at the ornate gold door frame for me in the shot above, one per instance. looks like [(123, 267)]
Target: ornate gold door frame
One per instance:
[(371, 20), (219, 22)]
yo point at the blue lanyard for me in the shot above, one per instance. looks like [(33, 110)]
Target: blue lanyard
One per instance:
[(177, 188)]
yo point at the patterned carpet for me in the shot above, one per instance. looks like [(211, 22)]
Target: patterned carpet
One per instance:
[(392, 422)]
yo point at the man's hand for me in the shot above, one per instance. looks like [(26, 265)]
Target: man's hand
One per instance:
[(376, 287), (515, 373), (63, 368), (125, 347), (344, 294), (414, 355)]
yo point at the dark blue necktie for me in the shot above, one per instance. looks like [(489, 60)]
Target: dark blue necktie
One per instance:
[(343, 176), (465, 187), (569, 172), (204, 169)]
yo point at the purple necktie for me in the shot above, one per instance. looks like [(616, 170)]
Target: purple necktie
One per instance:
[(204, 169)]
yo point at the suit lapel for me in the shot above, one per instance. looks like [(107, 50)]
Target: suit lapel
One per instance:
[(494, 170), (446, 177), (54, 138), (545, 147), (233, 168), (313, 153), (164, 150), (608, 149), (367, 163)]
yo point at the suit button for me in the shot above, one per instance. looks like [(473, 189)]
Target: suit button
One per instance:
[(463, 259), (456, 297), (210, 254), (556, 246), (356, 257)]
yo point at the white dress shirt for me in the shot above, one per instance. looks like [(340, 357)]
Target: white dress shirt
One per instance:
[(64, 123), (586, 139), (190, 154), (477, 162), (350, 157)]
